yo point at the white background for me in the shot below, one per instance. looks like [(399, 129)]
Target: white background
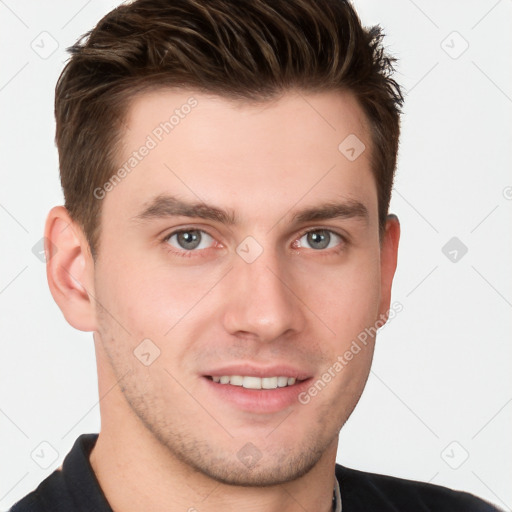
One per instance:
[(440, 389)]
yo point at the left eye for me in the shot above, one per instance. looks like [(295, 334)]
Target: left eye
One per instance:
[(321, 239), (190, 239)]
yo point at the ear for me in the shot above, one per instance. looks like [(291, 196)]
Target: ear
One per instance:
[(70, 269), (388, 260)]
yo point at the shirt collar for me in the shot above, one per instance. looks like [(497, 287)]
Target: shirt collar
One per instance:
[(336, 499)]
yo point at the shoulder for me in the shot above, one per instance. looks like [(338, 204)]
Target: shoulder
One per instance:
[(71, 484), (370, 491), (42, 499)]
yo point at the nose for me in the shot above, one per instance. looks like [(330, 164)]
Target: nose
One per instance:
[(263, 299)]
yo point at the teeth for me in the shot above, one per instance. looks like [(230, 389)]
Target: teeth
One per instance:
[(269, 382), (236, 380), (282, 382), (250, 382)]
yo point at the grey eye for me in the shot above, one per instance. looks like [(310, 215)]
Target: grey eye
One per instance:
[(190, 239), (321, 239)]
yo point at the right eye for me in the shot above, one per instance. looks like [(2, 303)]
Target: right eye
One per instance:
[(189, 240)]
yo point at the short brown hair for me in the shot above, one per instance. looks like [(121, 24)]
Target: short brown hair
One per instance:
[(251, 50)]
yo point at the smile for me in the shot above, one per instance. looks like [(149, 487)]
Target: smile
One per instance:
[(250, 382)]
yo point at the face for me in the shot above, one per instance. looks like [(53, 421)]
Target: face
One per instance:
[(243, 247)]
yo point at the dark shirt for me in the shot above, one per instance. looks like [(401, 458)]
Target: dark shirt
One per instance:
[(75, 488)]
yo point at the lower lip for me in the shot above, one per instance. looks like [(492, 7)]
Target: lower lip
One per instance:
[(258, 400)]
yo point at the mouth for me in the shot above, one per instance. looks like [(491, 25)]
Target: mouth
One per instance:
[(252, 382), (257, 390)]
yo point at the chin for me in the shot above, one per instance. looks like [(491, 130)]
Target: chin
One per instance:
[(248, 466), (264, 473)]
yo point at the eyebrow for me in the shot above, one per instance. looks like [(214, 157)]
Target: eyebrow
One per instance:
[(164, 206), (169, 206), (332, 210)]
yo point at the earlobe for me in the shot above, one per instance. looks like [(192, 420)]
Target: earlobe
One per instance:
[(388, 261), (70, 269)]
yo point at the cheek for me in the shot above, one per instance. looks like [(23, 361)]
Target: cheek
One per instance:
[(351, 311), (347, 296), (154, 299)]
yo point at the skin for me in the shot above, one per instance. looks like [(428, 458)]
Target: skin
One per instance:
[(167, 441)]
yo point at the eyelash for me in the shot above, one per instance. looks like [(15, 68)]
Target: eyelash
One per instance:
[(188, 254)]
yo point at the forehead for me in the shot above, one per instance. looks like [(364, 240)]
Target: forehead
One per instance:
[(298, 148)]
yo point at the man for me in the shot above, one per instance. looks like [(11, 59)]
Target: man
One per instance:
[(227, 169)]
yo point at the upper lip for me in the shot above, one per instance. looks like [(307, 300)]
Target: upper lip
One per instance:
[(250, 370)]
